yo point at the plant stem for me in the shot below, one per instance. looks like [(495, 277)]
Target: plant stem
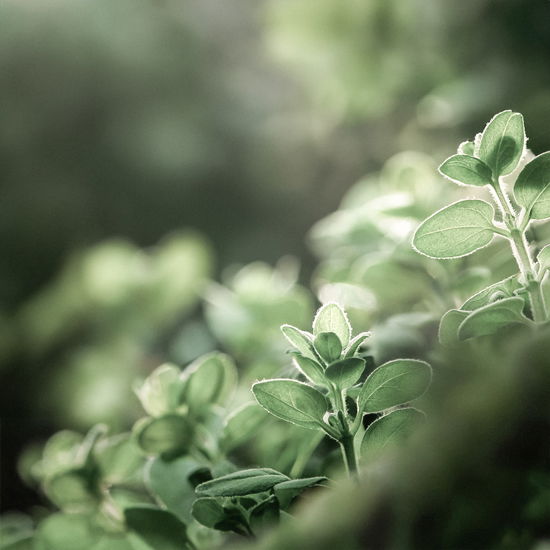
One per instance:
[(520, 249), (527, 268), (339, 403), (348, 450)]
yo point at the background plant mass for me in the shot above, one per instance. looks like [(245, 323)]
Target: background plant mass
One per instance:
[(199, 350)]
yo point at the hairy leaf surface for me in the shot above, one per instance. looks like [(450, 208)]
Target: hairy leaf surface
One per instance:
[(394, 383), (328, 346), (506, 287), (503, 143), (532, 188), (291, 401), (466, 170), (456, 230), (332, 318), (243, 482), (492, 317), (346, 372)]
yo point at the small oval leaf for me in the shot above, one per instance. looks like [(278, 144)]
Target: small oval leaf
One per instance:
[(160, 392), (312, 370), (292, 401), (208, 380), (456, 230), (466, 148), (503, 142), (346, 372), (168, 435), (72, 491), (532, 188), (388, 431), (208, 512), (394, 383), (301, 340), (356, 343), (448, 327), (332, 318), (507, 287), (492, 317), (466, 170), (328, 346)]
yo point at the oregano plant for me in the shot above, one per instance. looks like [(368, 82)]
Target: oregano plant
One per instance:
[(471, 224), (334, 396)]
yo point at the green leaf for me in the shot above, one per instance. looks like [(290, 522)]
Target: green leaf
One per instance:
[(466, 148), (292, 401), (312, 370), (394, 383), (506, 287), (210, 513), (492, 317), (242, 424), (388, 431), (332, 318), (543, 258), (209, 380), (466, 170), (243, 482), (301, 340), (448, 327), (124, 541), (503, 143), (346, 372), (119, 459), (60, 453), (158, 528), (532, 188), (160, 392), (328, 346), (66, 532), (356, 343), (73, 490), (456, 230), (168, 435), (288, 490), (159, 480), (264, 515), (16, 531)]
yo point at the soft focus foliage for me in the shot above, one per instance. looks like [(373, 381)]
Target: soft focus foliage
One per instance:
[(178, 199)]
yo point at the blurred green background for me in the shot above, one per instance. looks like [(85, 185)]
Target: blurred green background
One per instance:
[(162, 163)]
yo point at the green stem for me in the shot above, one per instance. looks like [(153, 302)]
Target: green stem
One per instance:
[(339, 404), (520, 249), (348, 451), (527, 268)]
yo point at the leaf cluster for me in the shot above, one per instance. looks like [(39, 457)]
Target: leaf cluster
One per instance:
[(468, 225), (335, 394)]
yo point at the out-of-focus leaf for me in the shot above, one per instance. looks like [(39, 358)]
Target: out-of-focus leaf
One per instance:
[(388, 431)]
